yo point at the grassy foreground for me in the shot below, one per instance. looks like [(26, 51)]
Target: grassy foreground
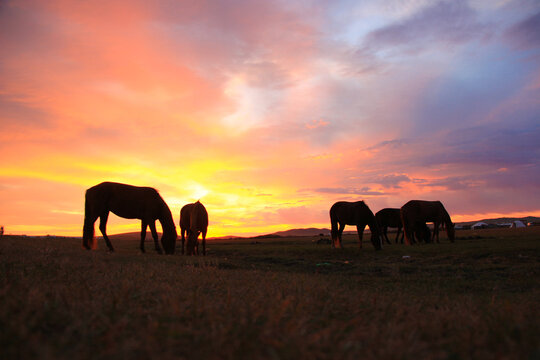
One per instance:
[(287, 299)]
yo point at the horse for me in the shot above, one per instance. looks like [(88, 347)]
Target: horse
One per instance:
[(423, 211), (193, 221), (389, 217), (130, 202), (353, 213)]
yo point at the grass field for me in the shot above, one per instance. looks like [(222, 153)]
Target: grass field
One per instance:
[(477, 298)]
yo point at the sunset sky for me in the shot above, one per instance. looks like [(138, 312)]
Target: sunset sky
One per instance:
[(268, 111)]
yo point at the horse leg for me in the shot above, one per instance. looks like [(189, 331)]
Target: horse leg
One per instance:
[(143, 235), (412, 230), (333, 233), (88, 232), (397, 235), (340, 232), (360, 230), (435, 232), (103, 228), (204, 242), (155, 236), (385, 234), (182, 232)]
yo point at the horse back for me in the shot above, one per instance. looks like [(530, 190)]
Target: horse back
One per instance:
[(198, 217), (185, 213), (351, 213), (424, 210), (389, 217), (127, 201)]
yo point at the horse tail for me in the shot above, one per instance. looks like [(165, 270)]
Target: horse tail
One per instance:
[(89, 241)]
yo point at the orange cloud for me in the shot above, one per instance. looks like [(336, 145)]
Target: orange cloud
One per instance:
[(317, 124)]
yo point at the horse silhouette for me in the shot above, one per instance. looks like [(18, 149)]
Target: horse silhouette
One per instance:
[(193, 221), (130, 202), (389, 217), (421, 211), (353, 213)]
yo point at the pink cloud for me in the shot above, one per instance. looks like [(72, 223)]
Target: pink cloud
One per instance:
[(317, 124)]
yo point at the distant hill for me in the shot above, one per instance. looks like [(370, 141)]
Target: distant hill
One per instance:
[(310, 232), (315, 231), (137, 236), (326, 232), (128, 236), (303, 232), (504, 220)]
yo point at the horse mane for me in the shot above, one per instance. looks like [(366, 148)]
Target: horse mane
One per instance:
[(448, 224), (446, 217), (166, 218)]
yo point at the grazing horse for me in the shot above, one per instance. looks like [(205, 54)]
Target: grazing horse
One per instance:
[(389, 217), (130, 202), (193, 221), (353, 213), (420, 211)]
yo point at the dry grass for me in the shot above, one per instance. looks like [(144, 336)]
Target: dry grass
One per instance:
[(477, 298)]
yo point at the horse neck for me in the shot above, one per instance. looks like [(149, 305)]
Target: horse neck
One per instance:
[(372, 223), (165, 218), (446, 217)]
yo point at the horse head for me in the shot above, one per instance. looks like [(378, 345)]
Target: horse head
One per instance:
[(168, 240), (450, 231), (376, 239), (373, 224)]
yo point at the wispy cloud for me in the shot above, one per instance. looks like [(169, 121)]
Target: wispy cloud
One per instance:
[(365, 191), (317, 124), (526, 33)]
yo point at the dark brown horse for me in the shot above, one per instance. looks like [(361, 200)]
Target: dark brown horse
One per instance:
[(130, 202), (353, 213), (193, 221), (389, 217), (420, 211)]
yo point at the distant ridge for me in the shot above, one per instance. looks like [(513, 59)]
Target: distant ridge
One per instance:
[(318, 231), (326, 232), (129, 236), (504, 220), (303, 232)]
